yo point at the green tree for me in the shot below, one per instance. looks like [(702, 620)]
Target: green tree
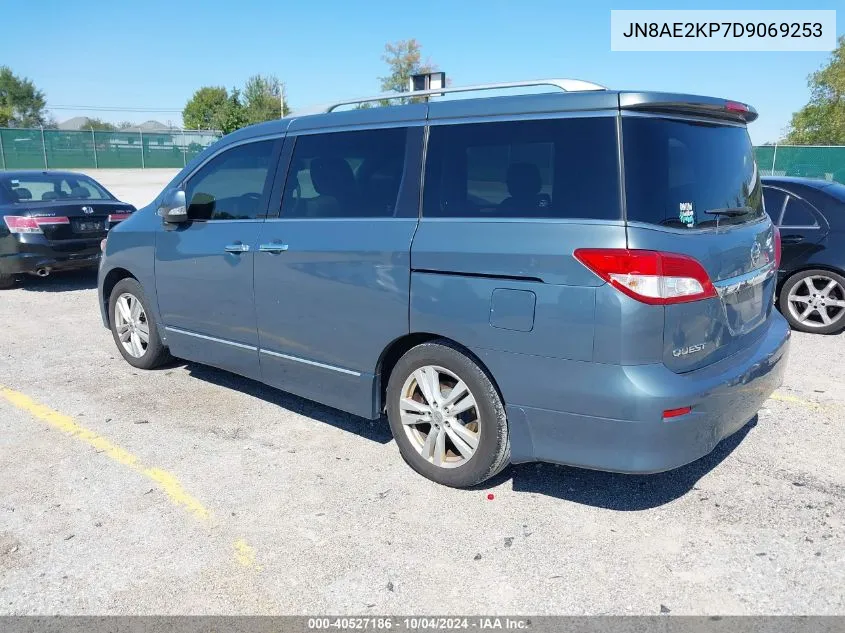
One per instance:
[(264, 97), (404, 58), (206, 109), (234, 116), (98, 125), (822, 120), (21, 103)]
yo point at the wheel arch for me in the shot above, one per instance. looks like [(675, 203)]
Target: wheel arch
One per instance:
[(399, 346), (109, 282)]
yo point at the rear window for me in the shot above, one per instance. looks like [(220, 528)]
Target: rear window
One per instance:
[(556, 168), (676, 171), (47, 187)]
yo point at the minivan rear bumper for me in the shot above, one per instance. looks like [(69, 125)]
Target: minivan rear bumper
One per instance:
[(724, 397)]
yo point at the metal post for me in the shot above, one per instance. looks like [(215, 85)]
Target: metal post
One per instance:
[(141, 134), (43, 146), (282, 101), (94, 145), (184, 149), (774, 158), (2, 153)]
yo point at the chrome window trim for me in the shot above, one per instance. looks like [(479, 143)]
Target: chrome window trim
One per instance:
[(741, 282), (246, 141), (310, 362), (356, 127), (512, 220), (210, 338), (344, 219), (527, 116), (788, 194)]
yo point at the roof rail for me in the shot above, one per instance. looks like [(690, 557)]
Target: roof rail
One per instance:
[(566, 85)]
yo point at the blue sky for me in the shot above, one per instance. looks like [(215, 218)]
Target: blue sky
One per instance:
[(155, 53)]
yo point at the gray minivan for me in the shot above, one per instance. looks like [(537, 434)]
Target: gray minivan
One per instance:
[(583, 276)]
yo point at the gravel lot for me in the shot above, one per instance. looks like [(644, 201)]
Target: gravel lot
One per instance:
[(191, 490)]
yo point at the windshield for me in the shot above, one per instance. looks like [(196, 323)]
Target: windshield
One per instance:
[(46, 187), (676, 171)]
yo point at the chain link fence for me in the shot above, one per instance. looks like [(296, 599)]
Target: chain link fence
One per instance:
[(77, 149), (813, 161)]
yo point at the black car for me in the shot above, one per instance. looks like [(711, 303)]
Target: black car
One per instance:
[(53, 220), (811, 282)]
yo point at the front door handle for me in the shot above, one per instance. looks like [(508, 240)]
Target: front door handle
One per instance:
[(274, 247), (237, 247)]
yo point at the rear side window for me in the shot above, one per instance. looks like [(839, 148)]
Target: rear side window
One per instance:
[(232, 185), (345, 174), (798, 213), (557, 168), (676, 171), (773, 200)]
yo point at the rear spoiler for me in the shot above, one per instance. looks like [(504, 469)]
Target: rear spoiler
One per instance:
[(687, 104)]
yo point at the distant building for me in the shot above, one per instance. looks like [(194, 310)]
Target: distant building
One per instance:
[(81, 123), (76, 123)]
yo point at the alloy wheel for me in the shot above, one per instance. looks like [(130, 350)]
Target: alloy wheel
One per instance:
[(131, 325), (817, 301), (440, 416)]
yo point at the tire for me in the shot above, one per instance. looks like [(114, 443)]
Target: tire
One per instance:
[(152, 352), (483, 424), (6, 281), (825, 294)]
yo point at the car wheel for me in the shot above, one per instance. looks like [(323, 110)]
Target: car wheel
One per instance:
[(6, 281), (133, 326), (814, 301), (446, 416)]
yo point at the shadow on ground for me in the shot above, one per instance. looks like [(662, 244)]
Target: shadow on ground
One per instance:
[(373, 430), (59, 282), (613, 491)]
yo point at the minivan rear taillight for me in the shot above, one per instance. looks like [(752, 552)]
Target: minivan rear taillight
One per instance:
[(778, 246), (653, 277), (24, 224)]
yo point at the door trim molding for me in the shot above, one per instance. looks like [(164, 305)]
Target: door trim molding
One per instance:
[(310, 362), (210, 338)]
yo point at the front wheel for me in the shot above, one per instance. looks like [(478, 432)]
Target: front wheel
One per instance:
[(133, 326), (814, 301), (446, 416)]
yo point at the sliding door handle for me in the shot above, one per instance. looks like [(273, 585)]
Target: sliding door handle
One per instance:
[(237, 247), (274, 247)]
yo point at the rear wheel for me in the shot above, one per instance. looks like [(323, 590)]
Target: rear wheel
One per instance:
[(133, 326), (814, 301), (6, 281), (446, 416)]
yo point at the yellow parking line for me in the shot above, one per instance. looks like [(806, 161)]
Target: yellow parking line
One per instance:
[(783, 397), (176, 493), (245, 554)]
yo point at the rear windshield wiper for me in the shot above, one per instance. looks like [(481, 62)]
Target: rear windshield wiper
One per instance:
[(731, 212)]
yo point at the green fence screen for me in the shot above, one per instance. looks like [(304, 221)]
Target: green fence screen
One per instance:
[(827, 162), (60, 149)]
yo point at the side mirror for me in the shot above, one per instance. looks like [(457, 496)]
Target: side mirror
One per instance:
[(174, 209)]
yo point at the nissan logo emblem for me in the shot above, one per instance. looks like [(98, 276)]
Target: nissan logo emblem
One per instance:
[(756, 251)]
